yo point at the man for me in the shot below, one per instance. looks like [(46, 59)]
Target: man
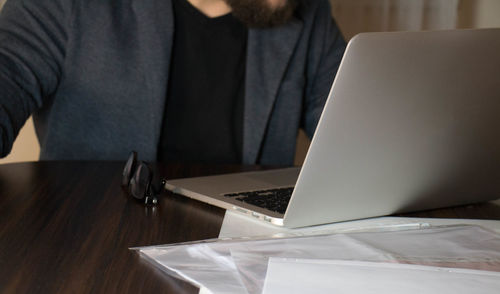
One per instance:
[(103, 78)]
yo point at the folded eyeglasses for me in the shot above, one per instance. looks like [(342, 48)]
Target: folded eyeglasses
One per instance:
[(140, 181)]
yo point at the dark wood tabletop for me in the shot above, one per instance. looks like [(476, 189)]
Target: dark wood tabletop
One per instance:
[(66, 227)]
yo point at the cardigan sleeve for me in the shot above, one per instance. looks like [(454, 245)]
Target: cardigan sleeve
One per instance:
[(32, 49)]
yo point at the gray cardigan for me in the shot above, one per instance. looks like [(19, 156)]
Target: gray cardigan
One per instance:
[(94, 73)]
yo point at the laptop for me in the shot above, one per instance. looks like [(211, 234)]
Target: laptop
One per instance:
[(412, 123)]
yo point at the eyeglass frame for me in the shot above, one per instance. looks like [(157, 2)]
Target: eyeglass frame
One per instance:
[(136, 173)]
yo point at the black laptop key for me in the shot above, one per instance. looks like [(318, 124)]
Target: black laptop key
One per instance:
[(272, 199)]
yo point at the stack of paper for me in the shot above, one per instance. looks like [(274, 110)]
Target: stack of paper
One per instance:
[(454, 257)]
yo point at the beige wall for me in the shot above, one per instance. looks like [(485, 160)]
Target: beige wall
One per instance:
[(26, 147), (479, 14), (487, 14), (471, 14)]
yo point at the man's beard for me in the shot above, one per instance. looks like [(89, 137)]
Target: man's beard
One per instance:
[(261, 14)]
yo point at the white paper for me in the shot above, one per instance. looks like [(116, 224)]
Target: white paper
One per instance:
[(204, 290), (290, 276)]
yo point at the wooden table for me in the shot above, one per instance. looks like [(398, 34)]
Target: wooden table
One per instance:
[(65, 227)]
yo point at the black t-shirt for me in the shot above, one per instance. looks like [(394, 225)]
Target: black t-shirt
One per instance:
[(203, 118)]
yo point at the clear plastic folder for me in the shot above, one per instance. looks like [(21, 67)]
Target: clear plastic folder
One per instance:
[(241, 265)]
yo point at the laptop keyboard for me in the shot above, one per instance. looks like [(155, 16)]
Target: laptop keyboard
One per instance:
[(273, 199)]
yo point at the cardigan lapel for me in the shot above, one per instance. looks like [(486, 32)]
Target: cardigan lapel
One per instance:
[(269, 52), (158, 18)]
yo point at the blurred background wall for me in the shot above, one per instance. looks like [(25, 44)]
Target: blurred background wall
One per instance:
[(352, 16)]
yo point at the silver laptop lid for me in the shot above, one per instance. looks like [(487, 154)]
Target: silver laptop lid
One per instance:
[(412, 122)]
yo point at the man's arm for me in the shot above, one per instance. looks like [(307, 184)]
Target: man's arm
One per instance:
[(327, 49), (33, 34)]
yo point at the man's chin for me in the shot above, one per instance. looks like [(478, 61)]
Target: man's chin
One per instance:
[(263, 13)]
